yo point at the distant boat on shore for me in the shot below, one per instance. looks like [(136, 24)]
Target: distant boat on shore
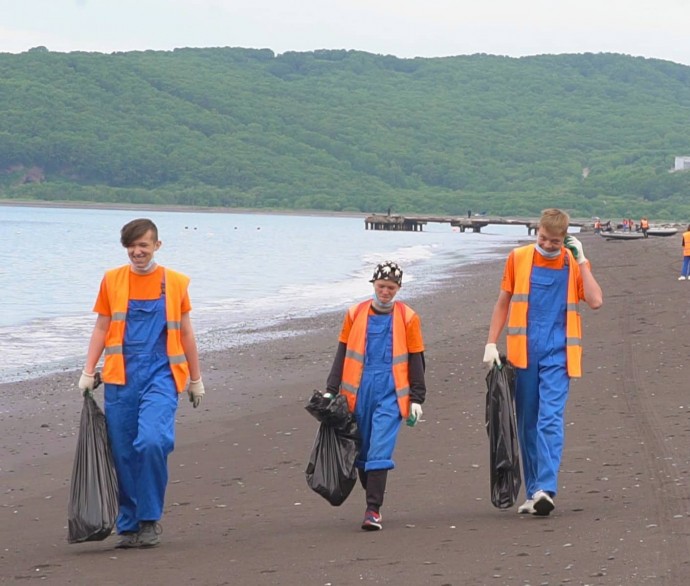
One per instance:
[(662, 231), (616, 235), (622, 235)]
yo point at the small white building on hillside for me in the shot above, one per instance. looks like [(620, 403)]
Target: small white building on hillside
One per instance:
[(682, 164)]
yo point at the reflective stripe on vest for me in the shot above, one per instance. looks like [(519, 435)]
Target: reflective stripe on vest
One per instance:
[(354, 354), (516, 339), (117, 287)]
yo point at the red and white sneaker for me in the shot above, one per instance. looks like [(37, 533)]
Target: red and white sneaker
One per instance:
[(372, 521)]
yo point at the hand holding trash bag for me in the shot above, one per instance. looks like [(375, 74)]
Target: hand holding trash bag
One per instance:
[(319, 403), (329, 410), (491, 355), (87, 382)]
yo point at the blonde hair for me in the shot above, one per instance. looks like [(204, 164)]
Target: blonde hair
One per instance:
[(555, 221)]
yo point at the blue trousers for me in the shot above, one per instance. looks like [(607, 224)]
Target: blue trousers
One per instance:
[(540, 399), (140, 417), (541, 389), (685, 271)]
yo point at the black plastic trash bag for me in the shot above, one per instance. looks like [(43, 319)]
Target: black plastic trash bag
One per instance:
[(93, 498), (501, 425), (331, 471), (333, 412)]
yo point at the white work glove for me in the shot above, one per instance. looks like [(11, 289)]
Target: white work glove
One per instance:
[(491, 356), (575, 246), (415, 414), (196, 392), (87, 382)]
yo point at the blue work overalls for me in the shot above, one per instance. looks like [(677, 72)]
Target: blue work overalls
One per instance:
[(542, 388), (377, 412), (141, 415)]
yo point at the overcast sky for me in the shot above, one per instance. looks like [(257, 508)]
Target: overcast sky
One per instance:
[(406, 28)]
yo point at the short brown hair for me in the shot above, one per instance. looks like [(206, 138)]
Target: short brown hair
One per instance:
[(555, 221), (136, 229)]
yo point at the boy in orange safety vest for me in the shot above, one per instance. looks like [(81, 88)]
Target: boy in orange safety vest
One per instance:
[(379, 367), (143, 325), (644, 226), (542, 286)]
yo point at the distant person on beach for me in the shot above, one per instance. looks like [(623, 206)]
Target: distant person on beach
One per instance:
[(143, 325), (644, 226), (685, 270), (542, 286), (379, 367)]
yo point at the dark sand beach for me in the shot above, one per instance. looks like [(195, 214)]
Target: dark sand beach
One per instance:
[(239, 511)]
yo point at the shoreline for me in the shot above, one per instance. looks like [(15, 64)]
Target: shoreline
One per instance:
[(176, 208), (179, 208), (283, 325), (287, 328)]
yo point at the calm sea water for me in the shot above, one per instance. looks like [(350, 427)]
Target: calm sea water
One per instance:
[(248, 271)]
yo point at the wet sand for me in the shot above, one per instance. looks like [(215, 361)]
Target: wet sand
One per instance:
[(238, 510)]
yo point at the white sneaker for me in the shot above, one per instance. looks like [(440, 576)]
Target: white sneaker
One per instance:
[(682, 278), (543, 503), (526, 508)]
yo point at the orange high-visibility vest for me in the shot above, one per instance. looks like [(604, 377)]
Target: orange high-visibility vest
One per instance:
[(644, 224), (117, 287), (516, 340), (356, 347), (686, 243)]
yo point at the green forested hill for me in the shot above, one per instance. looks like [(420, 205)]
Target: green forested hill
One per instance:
[(346, 130)]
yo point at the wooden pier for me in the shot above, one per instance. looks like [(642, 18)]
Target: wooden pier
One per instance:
[(474, 223)]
